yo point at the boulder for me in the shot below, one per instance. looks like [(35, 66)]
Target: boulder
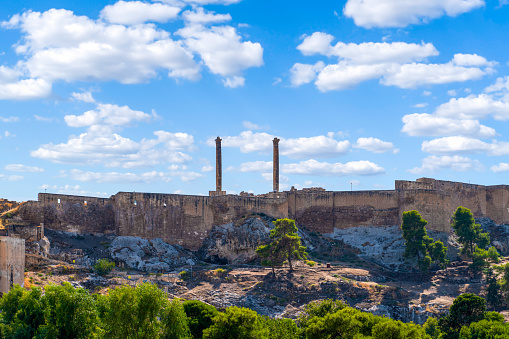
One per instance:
[(235, 243), (149, 255)]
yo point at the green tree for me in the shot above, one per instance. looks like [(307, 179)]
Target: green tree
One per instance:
[(419, 245), (133, 312), (271, 256), (280, 328), (70, 312), (395, 329), (320, 309), (431, 328), (199, 316), (493, 295), (465, 309), (103, 266), (174, 321), (285, 244), (479, 259), (236, 323), (469, 233)]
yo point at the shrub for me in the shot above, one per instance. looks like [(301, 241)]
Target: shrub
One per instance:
[(184, 275), (310, 263), (199, 316), (103, 266)]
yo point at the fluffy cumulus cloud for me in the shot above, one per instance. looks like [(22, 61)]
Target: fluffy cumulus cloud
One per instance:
[(317, 168), (123, 45), (146, 177), (102, 144), (319, 146), (375, 145), (23, 168), (107, 114), (476, 107), (137, 12), (222, 51), (455, 163), (424, 124), (502, 167), (464, 145), (395, 64), (401, 13)]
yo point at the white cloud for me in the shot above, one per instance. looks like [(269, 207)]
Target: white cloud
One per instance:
[(9, 119), (420, 105), (11, 177), (99, 145), (401, 13), (147, 177), (431, 125), (375, 145), (84, 96), (234, 82), (455, 163), (60, 45), (252, 126), (367, 53), (201, 16), (222, 50), (303, 74), (22, 168), (452, 92), (502, 167), (413, 75), (464, 145), (394, 64), (107, 114), (426, 93), (39, 118), (26, 89), (313, 167), (137, 12), (318, 146), (475, 107)]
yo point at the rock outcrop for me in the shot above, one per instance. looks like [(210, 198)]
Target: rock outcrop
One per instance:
[(149, 255), (499, 234), (235, 243)]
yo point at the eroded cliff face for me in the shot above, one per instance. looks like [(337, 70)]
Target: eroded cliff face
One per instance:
[(235, 242)]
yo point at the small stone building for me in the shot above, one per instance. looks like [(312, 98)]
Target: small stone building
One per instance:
[(12, 263)]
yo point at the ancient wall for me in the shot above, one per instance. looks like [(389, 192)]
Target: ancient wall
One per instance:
[(324, 211), (71, 213), (12, 263), (185, 219), (497, 203)]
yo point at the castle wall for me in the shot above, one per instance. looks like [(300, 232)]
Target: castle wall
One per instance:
[(324, 211), (185, 219), (12, 263), (71, 213), (497, 203)]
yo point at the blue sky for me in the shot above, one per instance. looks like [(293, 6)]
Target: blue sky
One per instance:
[(98, 97)]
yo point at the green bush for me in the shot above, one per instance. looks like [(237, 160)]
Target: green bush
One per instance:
[(184, 275), (199, 316), (103, 266), (310, 263)]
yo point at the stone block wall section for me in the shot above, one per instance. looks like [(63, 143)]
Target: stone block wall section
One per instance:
[(187, 219), (12, 263)]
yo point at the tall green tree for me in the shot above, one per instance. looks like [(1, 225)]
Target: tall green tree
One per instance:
[(199, 316), (174, 321), (237, 323), (285, 245), (419, 245), (133, 312), (469, 233), (465, 309)]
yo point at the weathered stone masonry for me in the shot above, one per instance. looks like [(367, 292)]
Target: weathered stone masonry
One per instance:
[(187, 219)]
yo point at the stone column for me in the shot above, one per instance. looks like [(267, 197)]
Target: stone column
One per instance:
[(219, 170), (275, 163)]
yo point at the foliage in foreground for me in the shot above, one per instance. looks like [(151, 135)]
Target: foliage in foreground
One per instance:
[(145, 312)]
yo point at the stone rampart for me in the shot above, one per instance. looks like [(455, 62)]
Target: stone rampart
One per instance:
[(187, 219), (12, 263)]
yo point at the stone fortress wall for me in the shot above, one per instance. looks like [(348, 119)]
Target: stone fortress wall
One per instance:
[(187, 219)]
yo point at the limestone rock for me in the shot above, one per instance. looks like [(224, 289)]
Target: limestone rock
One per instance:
[(230, 243), (149, 255), (499, 234)]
